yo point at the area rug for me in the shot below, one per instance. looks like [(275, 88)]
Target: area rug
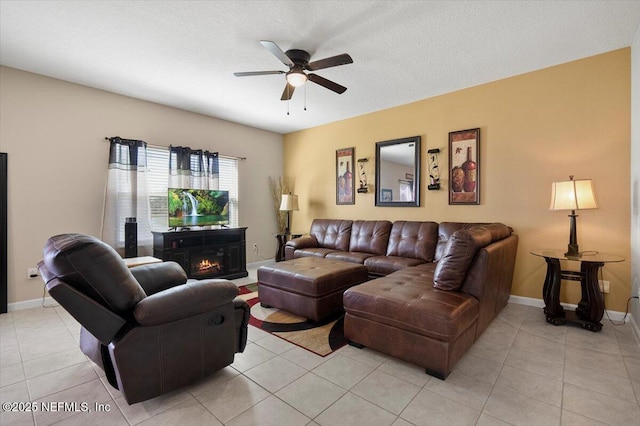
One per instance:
[(320, 338)]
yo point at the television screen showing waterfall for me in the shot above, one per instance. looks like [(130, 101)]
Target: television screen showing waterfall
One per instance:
[(197, 207)]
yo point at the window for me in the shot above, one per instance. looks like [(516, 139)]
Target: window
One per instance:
[(158, 166)]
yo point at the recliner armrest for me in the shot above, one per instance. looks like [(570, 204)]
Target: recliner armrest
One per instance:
[(184, 301), (156, 277), (243, 312), (102, 323), (303, 242)]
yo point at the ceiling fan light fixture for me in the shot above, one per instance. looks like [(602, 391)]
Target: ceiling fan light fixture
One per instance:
[(296, 78), (298, 62)]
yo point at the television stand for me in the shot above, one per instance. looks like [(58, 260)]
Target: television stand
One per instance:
[(208, 253)]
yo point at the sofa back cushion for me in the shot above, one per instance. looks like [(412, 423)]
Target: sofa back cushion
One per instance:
[(95, 269), (413, 239), (497, 230), (457, 256), (445, 231), (333, 234), (370, 236), (460, 250)]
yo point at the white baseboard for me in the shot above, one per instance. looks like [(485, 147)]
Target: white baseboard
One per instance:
[(256, 265), (29, 304), (634, 326), (539, 303)]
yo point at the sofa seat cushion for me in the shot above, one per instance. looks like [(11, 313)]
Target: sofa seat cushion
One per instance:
[(424, 270), (406, 300), (349, 256), (313, 252), (384, 265)]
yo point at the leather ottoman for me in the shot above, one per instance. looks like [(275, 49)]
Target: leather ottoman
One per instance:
[(311, 287)]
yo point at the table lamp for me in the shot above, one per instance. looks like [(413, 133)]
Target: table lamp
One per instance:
[(573, 195), (289, 203)]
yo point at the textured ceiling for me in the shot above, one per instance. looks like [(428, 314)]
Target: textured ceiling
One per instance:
[(184, 53)]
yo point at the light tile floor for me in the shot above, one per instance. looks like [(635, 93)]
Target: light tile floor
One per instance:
[(521, 371)]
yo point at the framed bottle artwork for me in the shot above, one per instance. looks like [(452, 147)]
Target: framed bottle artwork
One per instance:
[(345, 179), (464, 167)]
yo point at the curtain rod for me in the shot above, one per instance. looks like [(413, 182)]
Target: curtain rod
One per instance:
[(165, 147)]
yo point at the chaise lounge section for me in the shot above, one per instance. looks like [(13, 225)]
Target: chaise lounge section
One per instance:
[(435, 288)]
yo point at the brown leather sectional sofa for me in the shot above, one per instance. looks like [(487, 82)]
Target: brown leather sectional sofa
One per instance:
[(434, 289)]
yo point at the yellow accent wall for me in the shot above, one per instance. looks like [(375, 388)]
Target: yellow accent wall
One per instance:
[(536, 128)]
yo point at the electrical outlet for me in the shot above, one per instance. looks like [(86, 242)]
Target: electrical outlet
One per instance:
[(32, 273), (604, 286)]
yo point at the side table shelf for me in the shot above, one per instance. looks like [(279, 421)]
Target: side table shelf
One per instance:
[(282, 241), (590, 309)]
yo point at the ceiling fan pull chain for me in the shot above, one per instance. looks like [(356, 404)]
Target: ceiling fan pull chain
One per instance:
[(305, 97), (288, 97)]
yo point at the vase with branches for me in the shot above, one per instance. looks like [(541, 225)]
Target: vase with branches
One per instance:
[(280, 185)]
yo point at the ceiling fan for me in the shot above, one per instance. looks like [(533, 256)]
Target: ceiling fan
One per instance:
[(298, 61)]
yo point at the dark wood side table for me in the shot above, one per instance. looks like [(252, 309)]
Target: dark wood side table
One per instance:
[(282, 241), (591, 307)]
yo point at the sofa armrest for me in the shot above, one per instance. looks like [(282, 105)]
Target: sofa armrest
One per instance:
[(184, 301), (299, 243), (156, 277), (302, 243)]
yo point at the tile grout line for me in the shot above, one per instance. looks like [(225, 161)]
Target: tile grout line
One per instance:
[(618, 339)]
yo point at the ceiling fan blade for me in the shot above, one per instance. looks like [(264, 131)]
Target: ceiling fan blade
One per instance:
[(251, 73), (277, 52), (327, 83), (288, 92), (333, 61)]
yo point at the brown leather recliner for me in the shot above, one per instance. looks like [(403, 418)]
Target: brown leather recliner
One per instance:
[(149, 329)]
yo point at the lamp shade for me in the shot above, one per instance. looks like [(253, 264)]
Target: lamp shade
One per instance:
[(289, 202), (573, 195)]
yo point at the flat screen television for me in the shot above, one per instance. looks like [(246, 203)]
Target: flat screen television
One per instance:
[(197, 207)]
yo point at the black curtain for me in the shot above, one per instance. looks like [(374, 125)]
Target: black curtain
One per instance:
[(193, 168)]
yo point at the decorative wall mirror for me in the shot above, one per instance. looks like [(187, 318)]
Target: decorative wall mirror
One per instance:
[(398, 172)]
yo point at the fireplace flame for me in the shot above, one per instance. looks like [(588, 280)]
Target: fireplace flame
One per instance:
[(206, 265)]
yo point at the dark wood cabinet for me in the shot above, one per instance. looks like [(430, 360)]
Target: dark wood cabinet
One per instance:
[(210, 253), (4, 300)]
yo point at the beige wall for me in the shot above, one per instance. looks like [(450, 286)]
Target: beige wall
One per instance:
[(635, 176), (54, 134), (536, 128)]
